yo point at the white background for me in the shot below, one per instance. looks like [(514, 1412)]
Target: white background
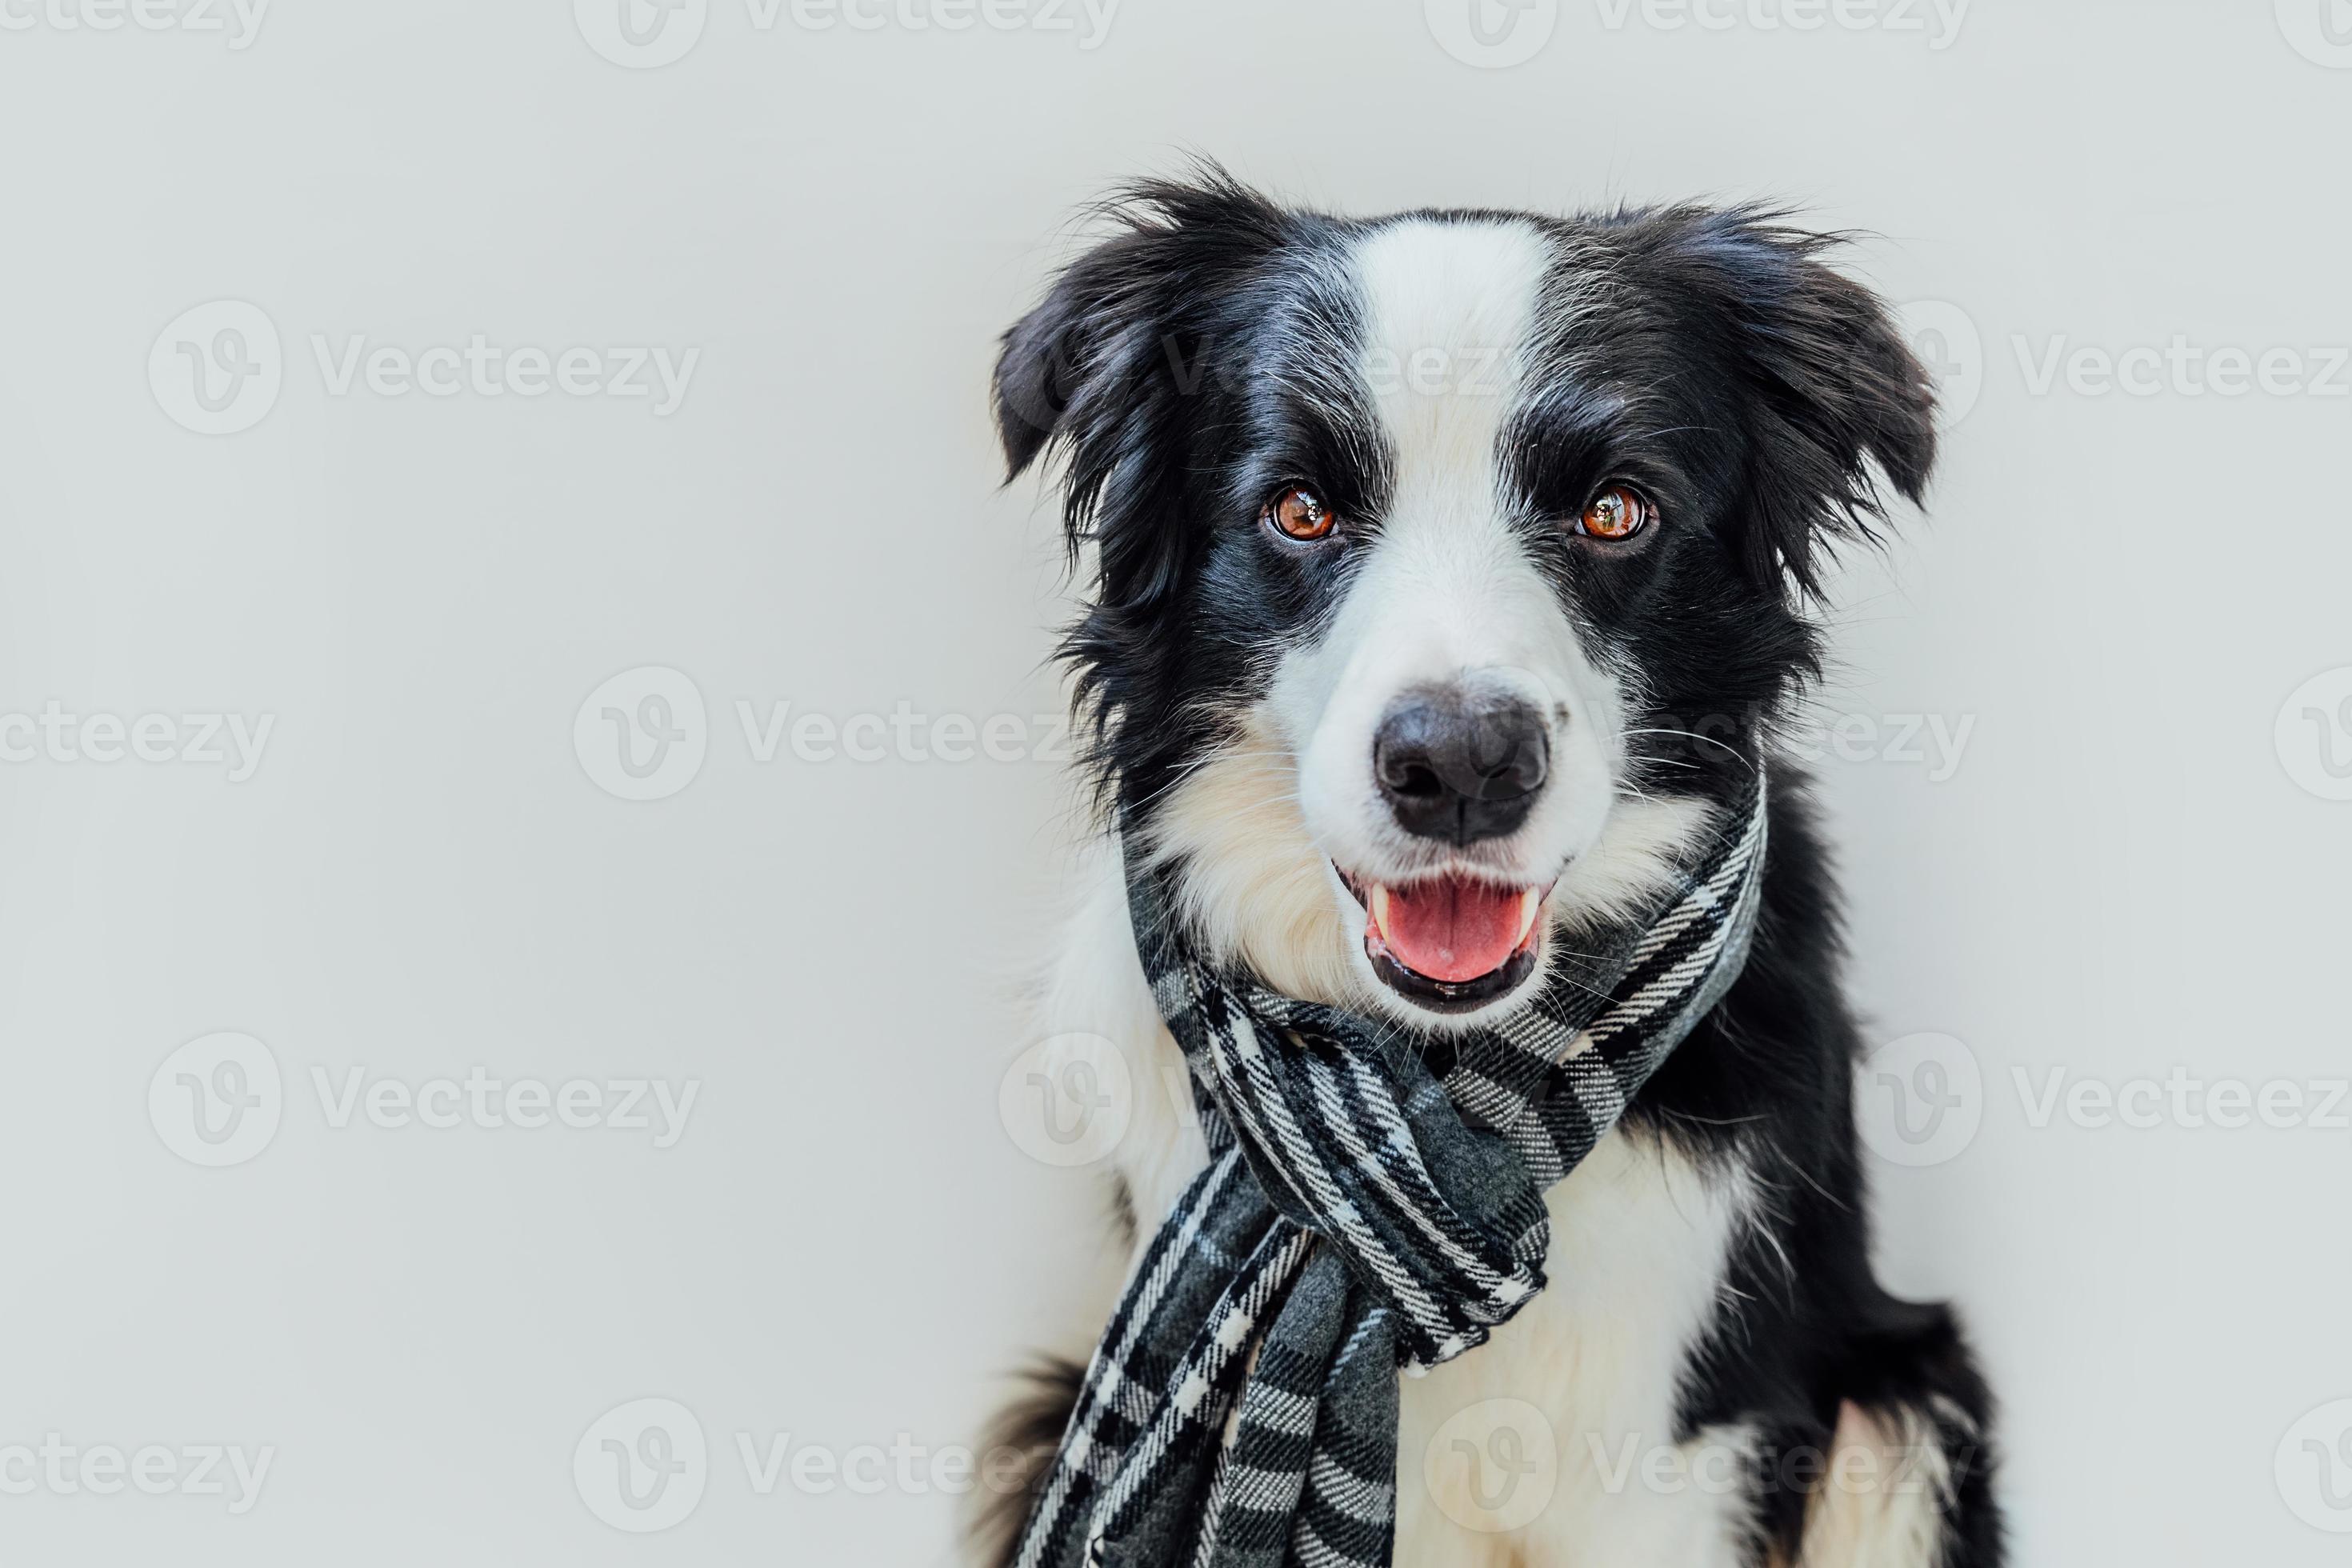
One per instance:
[(2121, 875)]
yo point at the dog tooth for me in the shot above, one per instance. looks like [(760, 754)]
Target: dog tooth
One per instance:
[(1381, 910), (1528, 902)]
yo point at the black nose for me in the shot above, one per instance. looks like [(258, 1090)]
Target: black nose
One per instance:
[(1458, 765)]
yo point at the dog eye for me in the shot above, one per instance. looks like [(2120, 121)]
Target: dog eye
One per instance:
[(1300, 513), (1618, 512)]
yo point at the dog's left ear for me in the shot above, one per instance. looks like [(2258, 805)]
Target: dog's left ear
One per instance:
[(1837, 400)]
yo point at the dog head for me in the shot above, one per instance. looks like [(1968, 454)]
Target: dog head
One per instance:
[(1446, 567)]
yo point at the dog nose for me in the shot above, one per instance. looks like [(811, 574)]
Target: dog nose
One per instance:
[(1458, 765)]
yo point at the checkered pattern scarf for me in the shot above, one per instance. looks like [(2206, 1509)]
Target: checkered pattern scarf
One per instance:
[(1370, 1204)]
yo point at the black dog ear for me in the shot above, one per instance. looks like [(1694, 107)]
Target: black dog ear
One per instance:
[(1038, 366), (1113, 372), (1838, 398), (1125, 328)]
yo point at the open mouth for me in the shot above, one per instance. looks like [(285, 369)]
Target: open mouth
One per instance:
[(1452, 943)]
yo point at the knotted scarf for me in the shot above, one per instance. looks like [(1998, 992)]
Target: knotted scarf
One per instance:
[(1374, 1202)]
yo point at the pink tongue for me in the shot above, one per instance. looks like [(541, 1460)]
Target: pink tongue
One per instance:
[(1452, 929)]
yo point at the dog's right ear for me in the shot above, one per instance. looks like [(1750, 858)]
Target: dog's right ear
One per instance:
[(1038, 368), (1112, 372), (1124, 331)]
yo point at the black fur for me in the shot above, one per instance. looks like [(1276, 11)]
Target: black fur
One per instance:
[(1194, 361)]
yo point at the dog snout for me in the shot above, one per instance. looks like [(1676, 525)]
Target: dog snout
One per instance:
[(1459, 765)]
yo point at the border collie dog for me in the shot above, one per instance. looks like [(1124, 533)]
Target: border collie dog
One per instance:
[(1448, 575)]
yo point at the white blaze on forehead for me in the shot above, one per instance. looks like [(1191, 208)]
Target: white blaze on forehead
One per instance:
[(1447, 584), (1448, 311)]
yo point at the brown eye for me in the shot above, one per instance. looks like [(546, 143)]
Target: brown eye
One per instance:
[(1617, 512), (1299, 514)]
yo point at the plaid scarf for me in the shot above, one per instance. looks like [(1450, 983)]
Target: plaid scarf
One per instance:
[(1371, 1202)]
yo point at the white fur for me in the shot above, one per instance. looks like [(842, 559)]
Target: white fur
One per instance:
[(1881, 1504)]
